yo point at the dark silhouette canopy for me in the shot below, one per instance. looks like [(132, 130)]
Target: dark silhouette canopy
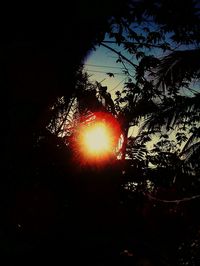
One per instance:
[(55, 208)]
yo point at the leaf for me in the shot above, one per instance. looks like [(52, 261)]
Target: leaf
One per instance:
[(118, 60), (118, 93), (110, 74), (139, 55), (154, 37), (146, 29)]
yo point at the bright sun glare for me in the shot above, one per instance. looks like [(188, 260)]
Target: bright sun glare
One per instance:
[(97, 139)]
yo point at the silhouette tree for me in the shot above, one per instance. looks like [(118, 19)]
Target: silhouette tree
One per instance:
[(42, 47), (159, 90), (160, 94)]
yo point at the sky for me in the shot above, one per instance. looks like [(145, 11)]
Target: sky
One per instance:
[(102, 61)]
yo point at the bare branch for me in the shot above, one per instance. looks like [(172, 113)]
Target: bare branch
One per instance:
[(172, 201), (118, 53)]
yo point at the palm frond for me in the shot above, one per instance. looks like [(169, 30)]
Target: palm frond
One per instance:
[(179, 67), (135, 150), (172, 112), (192, 145), (191, 159)]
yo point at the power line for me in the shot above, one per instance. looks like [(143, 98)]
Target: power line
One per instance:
[(103, 72), (117, 85), (103, 66)]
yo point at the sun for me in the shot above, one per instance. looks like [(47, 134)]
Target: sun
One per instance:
[(96, 140)]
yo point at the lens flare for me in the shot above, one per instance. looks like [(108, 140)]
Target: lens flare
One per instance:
[(97, 139)]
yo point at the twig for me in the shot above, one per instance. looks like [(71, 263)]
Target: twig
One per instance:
[(118, 53), (172, 201)]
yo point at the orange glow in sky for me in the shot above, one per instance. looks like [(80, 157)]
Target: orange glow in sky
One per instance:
[(97, 140)]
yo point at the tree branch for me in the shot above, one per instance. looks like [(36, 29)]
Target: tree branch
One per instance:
[(138, 43), (171, 201), (118, 53)]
